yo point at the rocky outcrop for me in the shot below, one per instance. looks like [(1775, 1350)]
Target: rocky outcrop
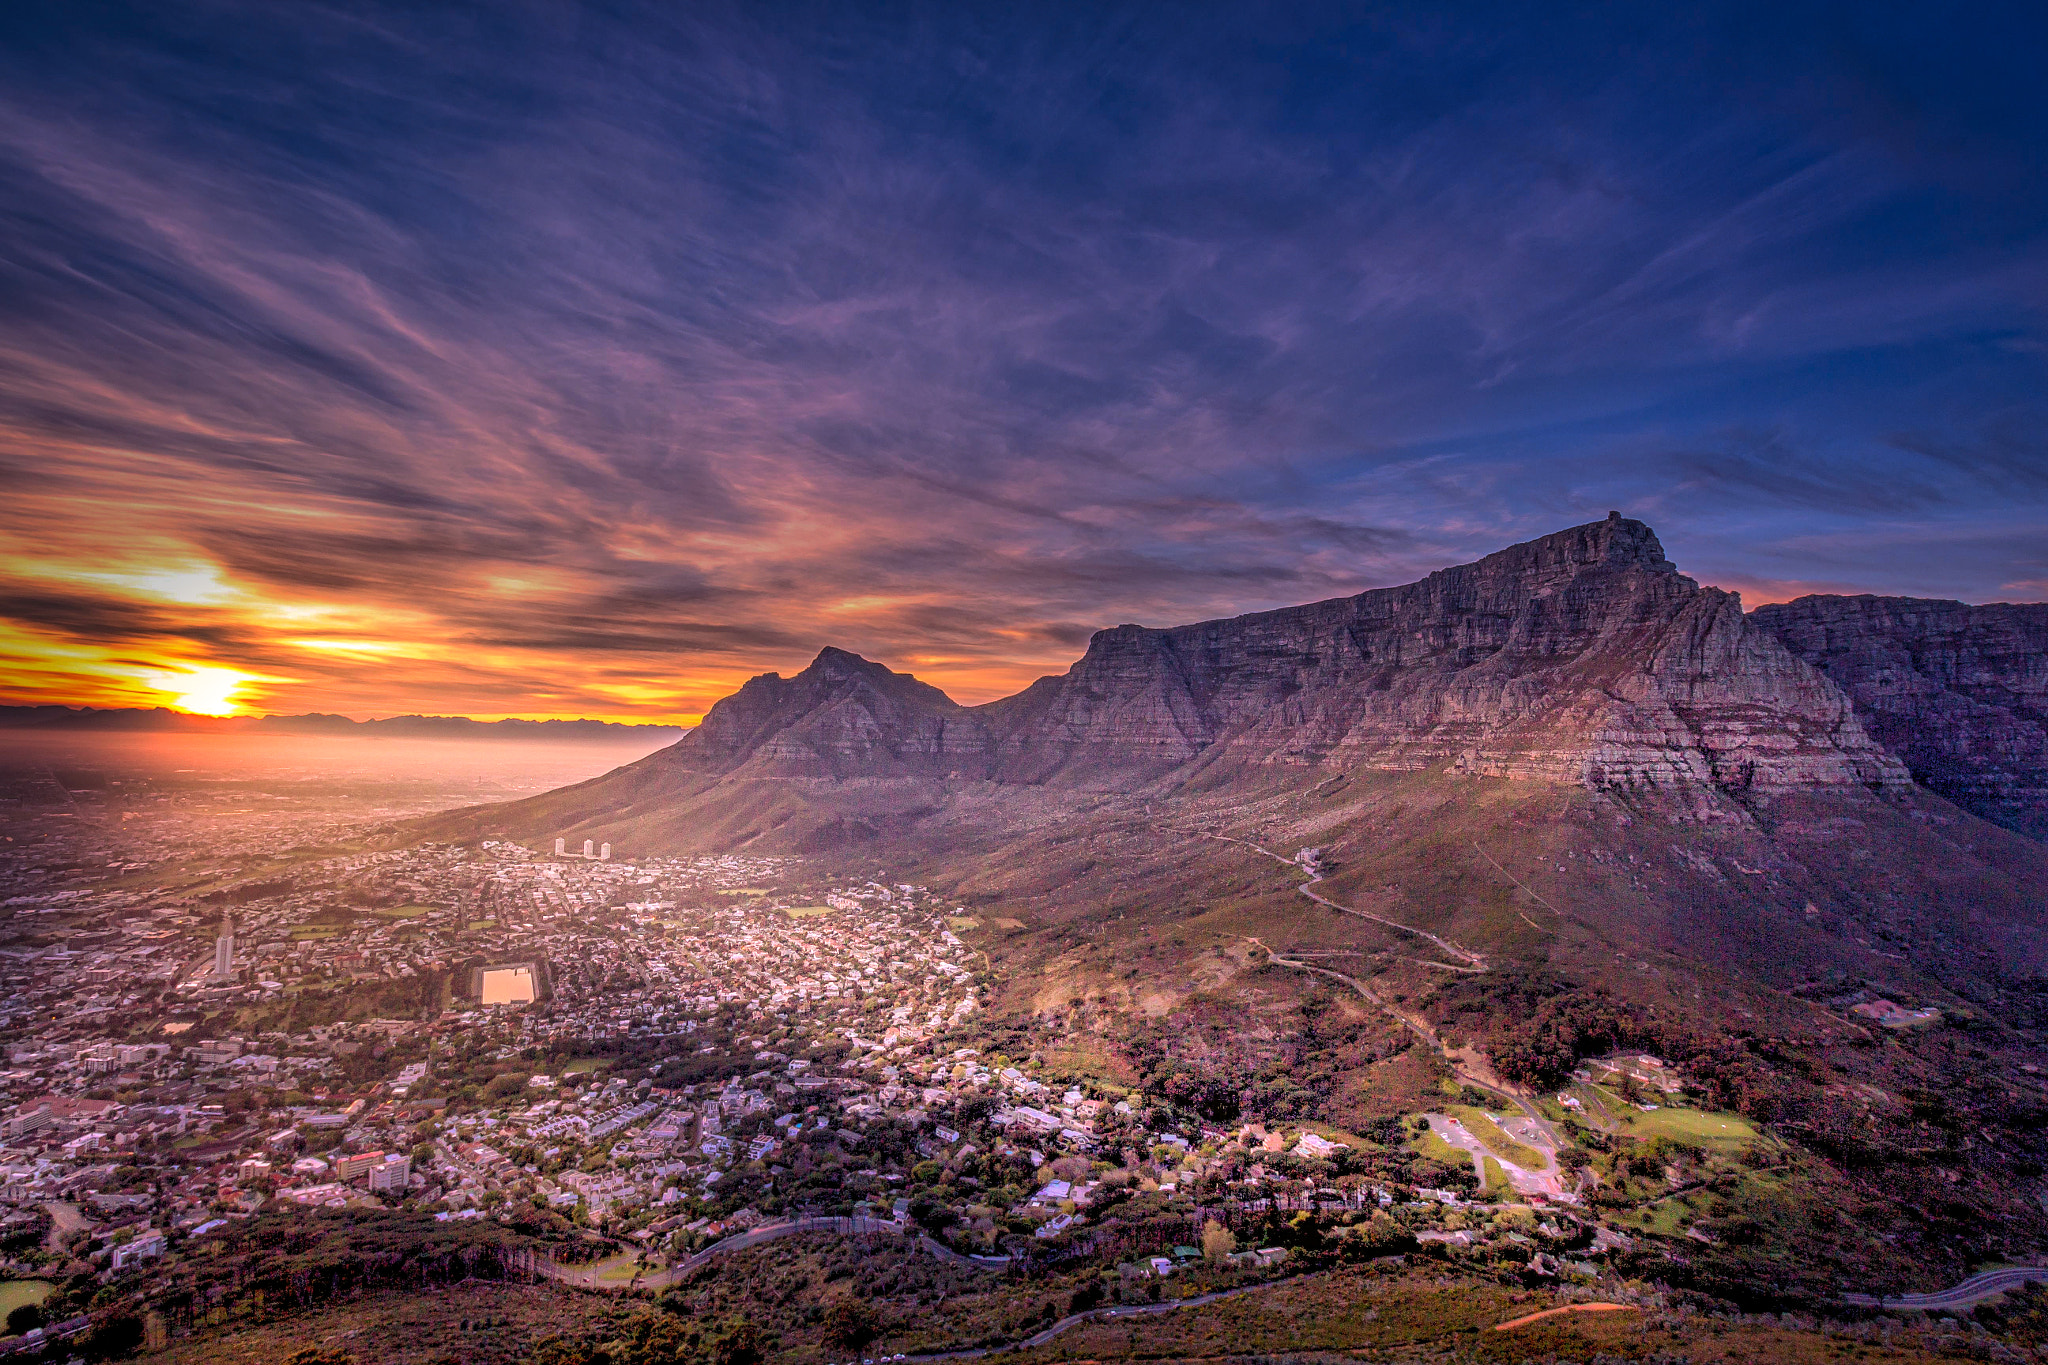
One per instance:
[(1959, 692), (1583, 656), (843, 716)]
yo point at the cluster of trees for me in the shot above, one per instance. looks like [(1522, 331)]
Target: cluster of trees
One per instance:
[(1292, 1080), (280, 1261), (656, 1337), (115, 1330), (1544, 1047), (1537, 1029)]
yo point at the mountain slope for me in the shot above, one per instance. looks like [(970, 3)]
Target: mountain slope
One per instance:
[(1559, 786), (1576, 677)]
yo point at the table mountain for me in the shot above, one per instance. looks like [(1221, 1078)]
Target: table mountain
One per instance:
[(1582, 657), (1568, 756)]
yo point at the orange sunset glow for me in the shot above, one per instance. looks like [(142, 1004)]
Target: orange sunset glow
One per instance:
[(382, 394)]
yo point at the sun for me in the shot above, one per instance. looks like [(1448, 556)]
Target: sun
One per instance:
[(204, 691)]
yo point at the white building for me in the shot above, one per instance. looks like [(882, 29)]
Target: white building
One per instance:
[(224, 949)]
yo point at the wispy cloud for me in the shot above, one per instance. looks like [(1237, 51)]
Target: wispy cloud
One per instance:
[(586, 360)]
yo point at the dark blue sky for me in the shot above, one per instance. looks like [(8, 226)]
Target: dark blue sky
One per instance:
[(582, 359)]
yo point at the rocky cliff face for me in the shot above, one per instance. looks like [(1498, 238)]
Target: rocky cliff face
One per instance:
[(1583, 656), (1959, 692)]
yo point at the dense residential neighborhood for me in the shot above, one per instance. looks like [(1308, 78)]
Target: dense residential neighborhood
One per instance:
[(616, 1070), (691, 1047)]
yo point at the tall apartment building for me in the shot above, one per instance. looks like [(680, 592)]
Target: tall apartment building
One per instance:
[(224, 950)]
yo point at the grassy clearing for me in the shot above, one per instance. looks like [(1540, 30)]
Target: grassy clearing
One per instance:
[(1406, 1318), (15, 1293), (1598, 1107), (1495, 1138), (745, 891), (618, 1270), (807, 911), (1496, 1178), (391, 1326), (1436, 1149), (306, 933), (1727, 1132), (404, 911), (959, 922), (1083, 1055), (585, 1064), (1670, 1218)]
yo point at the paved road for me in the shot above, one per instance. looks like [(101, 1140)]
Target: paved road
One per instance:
[(1974, 1290), (1545, 1181), (1471, 961), (1550, 1143)]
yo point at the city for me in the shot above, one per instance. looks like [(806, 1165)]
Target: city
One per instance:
[(632, 1063)]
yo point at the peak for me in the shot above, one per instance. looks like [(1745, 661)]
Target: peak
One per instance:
[(843, 665), (1616, 541), (840, 664)]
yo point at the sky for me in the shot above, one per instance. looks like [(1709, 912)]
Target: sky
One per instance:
[(586, 359)]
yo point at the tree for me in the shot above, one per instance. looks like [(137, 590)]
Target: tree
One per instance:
[(1218, 1241), (506, 1086), (25, 1318), (851, 1324), (739, 1343), (113, 1337)]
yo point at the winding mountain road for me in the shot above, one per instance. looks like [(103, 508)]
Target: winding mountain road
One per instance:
[(1974, 1290), (603, 1274), (1469, 960), (1550, 1144)]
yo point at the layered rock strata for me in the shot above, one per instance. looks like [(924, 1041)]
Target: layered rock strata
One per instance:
[(1583, 656), (1959, 692)]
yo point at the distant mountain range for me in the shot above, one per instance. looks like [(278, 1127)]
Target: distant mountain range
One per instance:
[(162, 720)]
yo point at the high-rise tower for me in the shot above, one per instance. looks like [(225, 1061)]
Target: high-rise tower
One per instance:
[(224, 950)]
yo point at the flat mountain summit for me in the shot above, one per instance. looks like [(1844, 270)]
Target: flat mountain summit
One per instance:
[(1584, 656), (1830, 767)]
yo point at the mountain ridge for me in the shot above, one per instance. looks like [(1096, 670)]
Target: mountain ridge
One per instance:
[(1568, 756), (1582, 656)]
